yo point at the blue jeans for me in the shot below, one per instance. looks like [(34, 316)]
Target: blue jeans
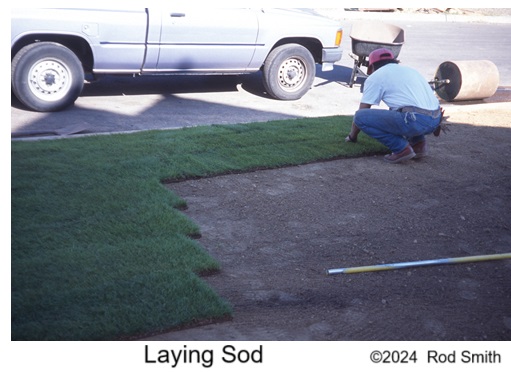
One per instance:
[(395, 129)]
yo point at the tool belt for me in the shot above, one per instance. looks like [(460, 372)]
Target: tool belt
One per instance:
[(433, 113)]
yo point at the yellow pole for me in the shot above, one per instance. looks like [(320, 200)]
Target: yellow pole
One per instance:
[(400, 265)]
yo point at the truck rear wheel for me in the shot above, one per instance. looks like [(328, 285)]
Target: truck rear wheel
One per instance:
[(46, 76), (289, 71)]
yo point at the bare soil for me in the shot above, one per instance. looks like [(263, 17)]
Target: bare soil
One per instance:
[(276, 232)]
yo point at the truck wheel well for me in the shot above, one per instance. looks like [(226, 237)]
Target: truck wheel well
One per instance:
[(79, 46), (313, 45)]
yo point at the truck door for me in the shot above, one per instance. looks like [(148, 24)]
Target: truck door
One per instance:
[(207, 40)]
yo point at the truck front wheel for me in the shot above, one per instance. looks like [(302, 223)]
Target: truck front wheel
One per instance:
[(288, 72), (46, 76)]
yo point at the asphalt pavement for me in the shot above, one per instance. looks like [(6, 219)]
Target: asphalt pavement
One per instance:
[(130, 104)]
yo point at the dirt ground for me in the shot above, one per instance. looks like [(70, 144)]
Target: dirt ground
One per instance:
[(276, 232)]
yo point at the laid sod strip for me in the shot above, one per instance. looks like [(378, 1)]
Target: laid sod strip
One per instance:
[(99, 250)]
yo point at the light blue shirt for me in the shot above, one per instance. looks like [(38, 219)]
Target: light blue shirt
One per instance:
[(398, 86)]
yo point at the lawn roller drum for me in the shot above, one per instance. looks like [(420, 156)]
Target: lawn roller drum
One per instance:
[(368, 36), (466, 80)]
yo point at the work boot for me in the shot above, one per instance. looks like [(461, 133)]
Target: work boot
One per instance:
[(404, 155), (420, 149)]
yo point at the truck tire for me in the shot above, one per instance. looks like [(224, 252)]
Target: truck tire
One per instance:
[(288, 72), (46, 76)]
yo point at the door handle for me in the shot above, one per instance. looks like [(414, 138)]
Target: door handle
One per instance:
[(177, 14)]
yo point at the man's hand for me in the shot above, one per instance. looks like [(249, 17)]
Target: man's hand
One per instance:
[(353, 135), (350, 139)]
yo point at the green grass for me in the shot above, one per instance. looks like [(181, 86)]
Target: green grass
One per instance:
[(99, 250)]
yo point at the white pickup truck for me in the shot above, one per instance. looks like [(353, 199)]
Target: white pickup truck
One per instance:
[(53, 50)]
